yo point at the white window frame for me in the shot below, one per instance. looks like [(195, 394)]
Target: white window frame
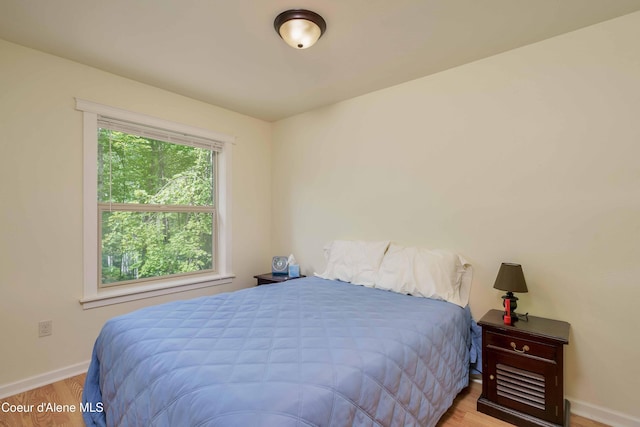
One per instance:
[(93, 295)]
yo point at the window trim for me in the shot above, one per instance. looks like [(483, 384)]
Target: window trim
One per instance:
[(93, 295)]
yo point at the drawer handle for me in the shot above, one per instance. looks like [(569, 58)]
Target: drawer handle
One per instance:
[(525, 348)]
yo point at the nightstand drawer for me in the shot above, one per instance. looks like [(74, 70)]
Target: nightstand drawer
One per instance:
[(520, 345)]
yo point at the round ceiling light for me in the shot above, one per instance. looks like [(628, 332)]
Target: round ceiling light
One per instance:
[(300, 28)]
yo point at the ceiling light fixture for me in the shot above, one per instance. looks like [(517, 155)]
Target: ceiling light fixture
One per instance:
[(300, 28)]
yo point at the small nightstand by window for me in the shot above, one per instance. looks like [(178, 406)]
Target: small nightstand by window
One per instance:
[(268, 278)]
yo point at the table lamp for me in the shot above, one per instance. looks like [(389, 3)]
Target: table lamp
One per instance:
[(511, 279)]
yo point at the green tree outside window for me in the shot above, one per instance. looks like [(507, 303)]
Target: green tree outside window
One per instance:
[(156, 204)]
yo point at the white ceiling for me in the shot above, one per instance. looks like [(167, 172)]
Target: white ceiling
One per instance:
[(226, 52)]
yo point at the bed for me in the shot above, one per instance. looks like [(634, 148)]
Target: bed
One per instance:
[(307, 352)]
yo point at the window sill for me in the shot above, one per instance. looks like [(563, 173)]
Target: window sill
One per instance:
[(118, 296)]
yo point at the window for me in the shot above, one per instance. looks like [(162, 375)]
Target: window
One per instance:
[(156, 208)]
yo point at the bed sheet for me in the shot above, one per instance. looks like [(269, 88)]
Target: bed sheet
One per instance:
[(307, 352)]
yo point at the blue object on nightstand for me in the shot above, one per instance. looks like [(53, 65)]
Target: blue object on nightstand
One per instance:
[(294, 270)]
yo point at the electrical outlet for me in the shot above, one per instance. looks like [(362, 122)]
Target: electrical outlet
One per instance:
[(45, 328)]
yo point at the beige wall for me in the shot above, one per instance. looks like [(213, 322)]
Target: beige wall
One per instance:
[(531, 156), (41, 213)]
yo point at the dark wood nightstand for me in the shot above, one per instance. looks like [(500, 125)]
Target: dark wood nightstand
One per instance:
[(522, 370), (265, 279)]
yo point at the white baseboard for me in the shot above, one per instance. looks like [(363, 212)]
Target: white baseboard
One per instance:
[(593, 412), (603, 415), (30, 383)]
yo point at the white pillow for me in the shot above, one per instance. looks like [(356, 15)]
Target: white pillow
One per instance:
[(435, 274), (354, 261)]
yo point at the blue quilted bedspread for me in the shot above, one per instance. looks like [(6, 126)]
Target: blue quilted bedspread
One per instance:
[(308, 352)]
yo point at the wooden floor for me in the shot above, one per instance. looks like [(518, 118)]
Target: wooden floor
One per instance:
[(65, 392), (69, 392)]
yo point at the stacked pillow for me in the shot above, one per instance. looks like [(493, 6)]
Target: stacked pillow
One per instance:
[(435, 274), (355, 262)]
